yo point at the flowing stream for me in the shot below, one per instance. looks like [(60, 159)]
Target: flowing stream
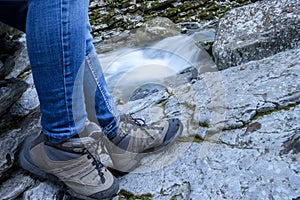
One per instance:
[(129, 68)]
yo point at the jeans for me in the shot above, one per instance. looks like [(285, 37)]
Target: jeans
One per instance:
[(67, 73)]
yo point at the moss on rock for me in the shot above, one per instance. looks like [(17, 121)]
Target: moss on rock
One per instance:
[(130, 196)]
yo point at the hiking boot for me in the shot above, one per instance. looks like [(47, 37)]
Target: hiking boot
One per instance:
[(135, 140), (72, 163)]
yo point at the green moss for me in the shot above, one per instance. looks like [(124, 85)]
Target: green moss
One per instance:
[(191, 138), (187, 11), (204, 124), (154, 4), (176, 197), (172, 12), (286, 108), (130, 196)]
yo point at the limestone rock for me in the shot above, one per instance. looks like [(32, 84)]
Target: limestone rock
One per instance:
[(233, 97), (8, 49), (109, 18), (27, 102), (45, 191), (16, 185), (235, 166), (8, 122), (11, 141), (8, 146), (257, 31), (21, 63), (10, 91), (156, 29), (228, 99)]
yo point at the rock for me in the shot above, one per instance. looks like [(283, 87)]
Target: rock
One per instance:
[(205, 39), (45, 191), (8, 146), (226, 100), (141, 105), (156, 29), (292, 144), (21, 63), (176, 191), (10, 142), (253, 127), (4, 29), (27, 102), (146, 90), (228, 168), (10, 91), (1, 67), (8, 122), (16, 185), (8, 45), (118, 41), (256, 31), (249, 92), (8, 66), (109, 18), (8, 49)]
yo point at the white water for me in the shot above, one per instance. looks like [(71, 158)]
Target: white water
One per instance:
[(129, 68)]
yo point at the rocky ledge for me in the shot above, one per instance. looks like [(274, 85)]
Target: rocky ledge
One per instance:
[(241, 137)]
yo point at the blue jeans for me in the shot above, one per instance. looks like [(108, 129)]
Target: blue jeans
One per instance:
[(66, 70)]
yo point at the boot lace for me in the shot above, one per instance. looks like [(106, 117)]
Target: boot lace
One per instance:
[(97, 163), (87, 146), (132, 120)]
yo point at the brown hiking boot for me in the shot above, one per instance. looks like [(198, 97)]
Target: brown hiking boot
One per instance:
[(72, 162), (135, 140)]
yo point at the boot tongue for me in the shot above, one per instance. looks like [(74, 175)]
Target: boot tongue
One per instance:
[(91, 130)]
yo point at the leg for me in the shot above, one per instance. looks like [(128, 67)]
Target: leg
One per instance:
[(57, 46), (99, 101)]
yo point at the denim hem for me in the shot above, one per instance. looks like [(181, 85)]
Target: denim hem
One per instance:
[(111, 130)]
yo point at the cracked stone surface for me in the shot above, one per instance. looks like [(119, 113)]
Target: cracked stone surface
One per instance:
[(44, 190), (28, 102), (11, 141), (10, 91), (230, 98), (252, 33), (15, 186), (238, 165), (256, 154)]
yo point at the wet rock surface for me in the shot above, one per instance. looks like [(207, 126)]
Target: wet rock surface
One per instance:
[(251, 33), (241, 124)]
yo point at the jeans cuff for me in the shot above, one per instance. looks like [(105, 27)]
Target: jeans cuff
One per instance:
[(111, 130)]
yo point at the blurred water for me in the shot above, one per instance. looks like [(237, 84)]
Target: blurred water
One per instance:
[(127, 69)]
